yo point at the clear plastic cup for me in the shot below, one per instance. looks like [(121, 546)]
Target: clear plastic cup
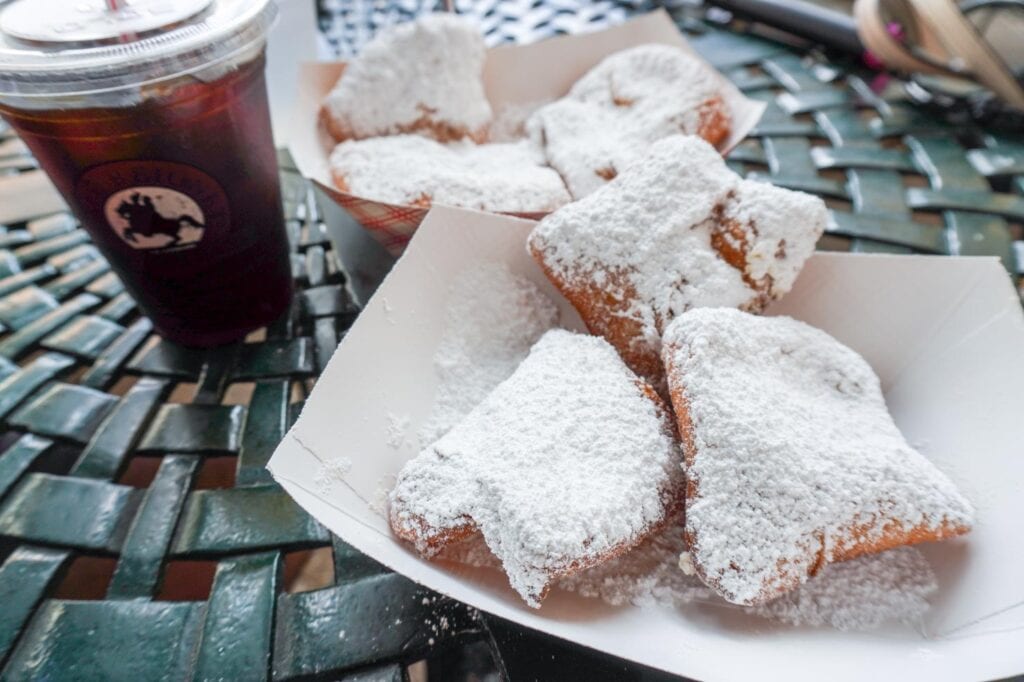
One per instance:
[(152, 121)]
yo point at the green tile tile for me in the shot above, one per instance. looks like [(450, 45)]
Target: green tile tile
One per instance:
[(975, 234), (918, 236), (73, 259), (315, 266), (328, 300), (861, 157), (169, 359), (16, 460), (99, 641), (36, 252), (142, 554), (69, 512), (1009, 206), (813, 100), (24, 578), (117, 308), (9, 240), (25, 278), (379, 615), (76, 279), (22, 340), (85, 336), (878, 193), (210, 522), (726, 49), (107, 286), (9, 265), (25, 306), (236, 635), (65, 411), (104, 370), (52, 225), (20, 385), (274, 358), (118, 434), (209, 429), (265, 425), (326, 339)]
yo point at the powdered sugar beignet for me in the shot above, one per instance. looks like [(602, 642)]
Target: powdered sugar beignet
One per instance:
[(677, 230), (570, 461), (410, 169), (629, 100), (792, 459), (420, 77)]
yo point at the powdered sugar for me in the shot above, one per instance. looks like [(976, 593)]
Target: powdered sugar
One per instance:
[(795, 460), (675, 231), (331, 472), (622, 105), (562, 464), (409, 169), (492, 317), (860, 594), (422, 76), (397, 425)]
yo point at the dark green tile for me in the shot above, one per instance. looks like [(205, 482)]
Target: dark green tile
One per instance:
[(108, 286), (918, 236), (813, 100), (313, 234), (7, 368), (195, 428), (169, 359), (384, 673), (381, 616), (22, 340), (872, 246), (65, 411), (73, 259), (36, 252), (100, 641), (326, 338), (1009, 206), (789, 157), (265, 425), (236, 635), (328, 300), (9, 265), (904, 119), (944, 161), (142, 554), (974, 234), (117, 308), (16, 460), (210, 524), (315, 269), (25, 306), (748, 151), (52, 225), (65, 285), (69, 512), (792, 73), (16, 387), (878, 193), (274, 358), (805, 183), (104, 370), (861, 157), (25, 278), (350, 564), (725, 49), (24, 578), (990, 162), (9, 240), (845, 127), (114, 439), (86, 336), (747, 81)]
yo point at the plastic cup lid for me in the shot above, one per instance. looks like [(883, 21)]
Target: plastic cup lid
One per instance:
[(82, 47)]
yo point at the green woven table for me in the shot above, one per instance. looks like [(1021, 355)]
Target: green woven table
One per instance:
[(130, 467)]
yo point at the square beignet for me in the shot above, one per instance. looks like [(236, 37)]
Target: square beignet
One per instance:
[(569, 462), (676, 230), (792, 458)]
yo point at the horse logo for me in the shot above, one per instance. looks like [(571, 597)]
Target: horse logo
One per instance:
[(155, 218)]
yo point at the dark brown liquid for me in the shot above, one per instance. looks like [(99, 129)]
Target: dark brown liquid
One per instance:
[(181, 193)]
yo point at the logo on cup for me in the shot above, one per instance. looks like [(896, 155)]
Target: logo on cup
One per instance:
[(155, 218)]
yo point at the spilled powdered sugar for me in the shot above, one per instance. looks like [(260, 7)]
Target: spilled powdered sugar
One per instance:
[(423, 75), (795, 459), (563, 463), (859, 595), (629, 100), (492, 317), (409, 169), (331, 472)]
